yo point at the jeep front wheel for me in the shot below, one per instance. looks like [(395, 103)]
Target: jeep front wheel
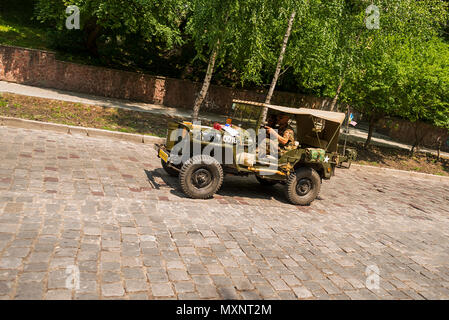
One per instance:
[(303, 186), (201, 177)]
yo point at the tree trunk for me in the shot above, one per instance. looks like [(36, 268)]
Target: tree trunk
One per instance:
[(334, 101), (279, 65), (206, 83), (93, 32), (412, 150), (342, 80), (372, 121), (416, 141), (439, 145), (419, 138)]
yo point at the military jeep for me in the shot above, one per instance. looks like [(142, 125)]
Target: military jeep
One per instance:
[(201, 155)]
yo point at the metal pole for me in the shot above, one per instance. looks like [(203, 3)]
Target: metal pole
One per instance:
[(346, 133)]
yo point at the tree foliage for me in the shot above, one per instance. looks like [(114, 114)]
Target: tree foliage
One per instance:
[(237, 31), (424, 84), (151, 19), (362, 62), (134, 33)]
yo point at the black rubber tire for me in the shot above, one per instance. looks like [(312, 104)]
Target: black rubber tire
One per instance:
[(266, 182), (312, 182), (172, 172), (196, 170)]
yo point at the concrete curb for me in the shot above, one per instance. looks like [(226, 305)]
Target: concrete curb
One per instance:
[(90, 132), (419, 175)]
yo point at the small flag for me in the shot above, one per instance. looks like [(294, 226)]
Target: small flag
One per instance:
[(353, 123), (351, 117)]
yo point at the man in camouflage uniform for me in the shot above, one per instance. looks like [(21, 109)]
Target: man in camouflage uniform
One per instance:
[(285, 135)]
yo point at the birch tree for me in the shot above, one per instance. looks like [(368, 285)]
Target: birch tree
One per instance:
[(213, 27), (240, 33), (279, 64)]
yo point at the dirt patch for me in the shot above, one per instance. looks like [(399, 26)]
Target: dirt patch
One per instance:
[(400, 159)]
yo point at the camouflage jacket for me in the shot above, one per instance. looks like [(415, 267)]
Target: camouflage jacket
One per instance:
[(289, 134)]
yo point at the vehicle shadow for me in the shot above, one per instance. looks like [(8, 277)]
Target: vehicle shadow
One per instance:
[(233, 187)]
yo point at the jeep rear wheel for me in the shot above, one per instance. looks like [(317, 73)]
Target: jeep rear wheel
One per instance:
[(172, 172), (201, 177), (303, 186)]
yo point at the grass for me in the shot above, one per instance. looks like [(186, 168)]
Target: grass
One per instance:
[(76, 114), (17, 28), (16, 34), (400, 159)]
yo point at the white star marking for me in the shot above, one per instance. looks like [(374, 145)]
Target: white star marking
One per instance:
[(326, 159)]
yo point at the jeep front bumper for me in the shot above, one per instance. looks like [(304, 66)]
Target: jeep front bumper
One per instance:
[(162, 152)]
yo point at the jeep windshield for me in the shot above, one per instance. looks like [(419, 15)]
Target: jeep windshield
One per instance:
[(246, 116)]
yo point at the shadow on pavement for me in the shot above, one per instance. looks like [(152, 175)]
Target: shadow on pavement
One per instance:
[(233, 187)]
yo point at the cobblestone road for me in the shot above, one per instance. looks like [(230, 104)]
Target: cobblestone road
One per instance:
[(105, 208)]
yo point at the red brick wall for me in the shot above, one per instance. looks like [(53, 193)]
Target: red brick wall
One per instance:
[(41, 68)]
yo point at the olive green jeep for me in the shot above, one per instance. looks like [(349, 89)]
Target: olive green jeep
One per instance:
[(201, 155)]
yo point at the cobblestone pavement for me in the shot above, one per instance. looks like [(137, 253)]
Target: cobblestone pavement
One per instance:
[(105, 208)]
